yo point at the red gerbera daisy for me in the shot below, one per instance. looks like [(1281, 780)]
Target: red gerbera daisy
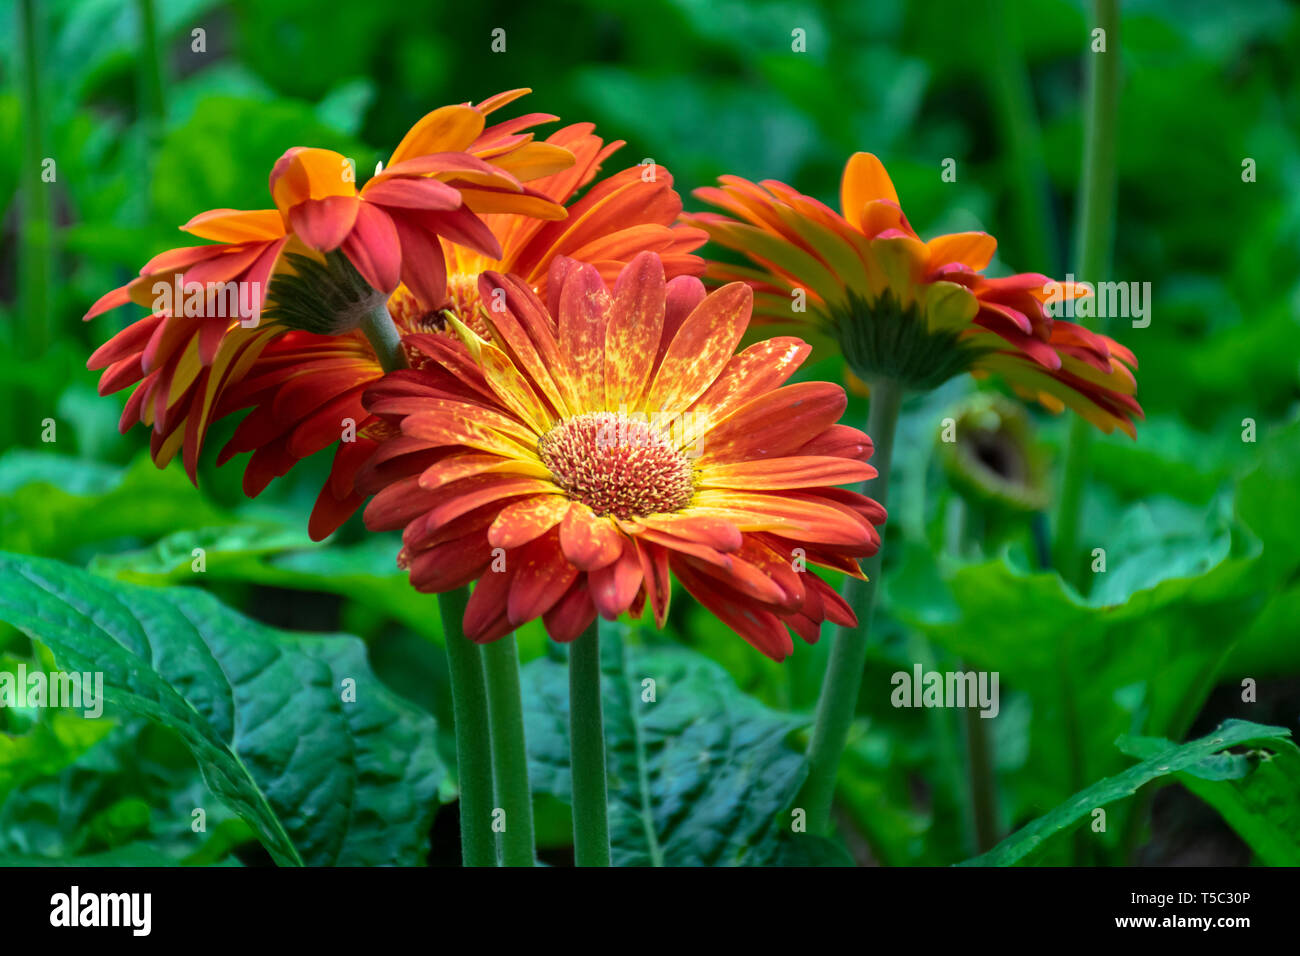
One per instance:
[(599, 443), (446, 170), (911, 311), (305, 389)]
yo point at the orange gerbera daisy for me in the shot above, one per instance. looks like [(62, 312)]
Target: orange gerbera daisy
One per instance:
[(304, 388), (912, 311), (598, 443), (445, 171)]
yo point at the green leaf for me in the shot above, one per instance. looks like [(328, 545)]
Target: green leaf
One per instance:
[(320, 780), (280, 554), (94, 805), (1173, 759), (54, 505), (700, 776), (1258, 794), (131, 854), (49, 745), (1089, 665)]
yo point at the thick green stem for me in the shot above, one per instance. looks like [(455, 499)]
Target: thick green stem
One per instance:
[(1093, 240), (509, 756), (839, 697), (473, 739), (587, 752), (151, 69), (384, 338), (983, 780)]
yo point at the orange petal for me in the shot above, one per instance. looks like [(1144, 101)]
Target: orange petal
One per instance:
[(584, 308), (589, 541), (445, 130), (512, 388), (413, 194), (465, 495), (864, 179), (775, 424), (525, 203), (323, 224), (521, 521), (614, 586), (658, 584), (534, 160), (777, 473), (236, 225), (462, 466), (717, 533), (701, 349), (974, 249), (374, 248), (760, 627), (571, 615), (539, 577), (756, 371), (310, 173), (636, 320)]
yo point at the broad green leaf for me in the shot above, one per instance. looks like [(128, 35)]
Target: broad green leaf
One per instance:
[(322, 780), (279, 554), (133, 855), (54, 740), (1268, 503), (53, 505), (1258, 794), (699, 776), (138, 783), (1139, 657), (1169, 761)]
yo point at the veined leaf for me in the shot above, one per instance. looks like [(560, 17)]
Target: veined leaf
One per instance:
[(1171, 760), (701, 775), (277, 554), (1258, 794), (322, 778)]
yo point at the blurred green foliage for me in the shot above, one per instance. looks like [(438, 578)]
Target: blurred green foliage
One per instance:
[(1202, 583)]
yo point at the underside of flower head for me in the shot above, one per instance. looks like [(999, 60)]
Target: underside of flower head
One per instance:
[(587, 450), (907, 310)]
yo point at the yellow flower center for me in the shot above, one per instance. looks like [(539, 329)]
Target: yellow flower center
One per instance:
[(615, 464), (462, 294)]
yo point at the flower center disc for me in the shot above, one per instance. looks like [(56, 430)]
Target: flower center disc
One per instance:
[(617, 465)]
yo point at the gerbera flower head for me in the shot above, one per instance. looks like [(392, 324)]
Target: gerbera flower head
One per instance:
[(303, 386), (208, 302), (911, 311), (591, 448)]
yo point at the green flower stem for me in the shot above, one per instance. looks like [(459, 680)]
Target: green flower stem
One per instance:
[(152, 85), (384, 338), (587, 752), (473, 739), (983, 780), (509, 756), (1096, 230), (839, 697)]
